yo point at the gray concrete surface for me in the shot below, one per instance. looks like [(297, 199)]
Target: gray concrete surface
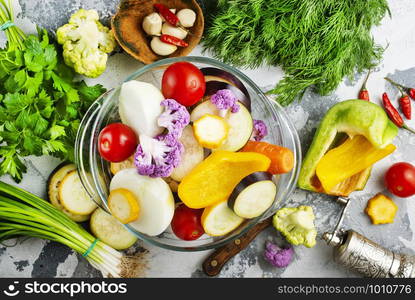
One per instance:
[(37, 258)]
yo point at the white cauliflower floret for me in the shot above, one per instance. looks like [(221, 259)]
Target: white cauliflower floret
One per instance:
[(86, 43)]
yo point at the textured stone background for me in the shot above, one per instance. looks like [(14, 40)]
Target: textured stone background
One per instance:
[(37, 258)]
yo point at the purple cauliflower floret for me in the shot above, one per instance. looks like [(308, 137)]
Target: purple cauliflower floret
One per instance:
[(225, 99), (260, 130), (175, 117), (278, 257), (157, 157)]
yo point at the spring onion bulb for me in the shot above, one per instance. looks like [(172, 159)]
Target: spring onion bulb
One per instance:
[(24, 214)]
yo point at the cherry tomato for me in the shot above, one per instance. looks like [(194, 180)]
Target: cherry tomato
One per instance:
[(117, 142), (183, 82), (400, 179), (186, 223)]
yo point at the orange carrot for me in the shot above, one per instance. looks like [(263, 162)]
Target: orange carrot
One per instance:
[(282, 159)]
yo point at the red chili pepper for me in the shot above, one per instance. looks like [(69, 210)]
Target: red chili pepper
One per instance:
[(411, 93), (169, 39), (394, 114), (405, 104), (364, 93), (391, 111), (165, 12)]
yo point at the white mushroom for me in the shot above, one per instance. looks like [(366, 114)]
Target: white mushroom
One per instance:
[(161, 48), (152, 24), (174, 31), (187, 17)]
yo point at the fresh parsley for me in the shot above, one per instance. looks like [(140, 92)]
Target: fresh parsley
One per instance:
[(41, 104)]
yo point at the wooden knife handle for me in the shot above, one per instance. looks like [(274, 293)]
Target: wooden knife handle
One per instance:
[(215, 262)]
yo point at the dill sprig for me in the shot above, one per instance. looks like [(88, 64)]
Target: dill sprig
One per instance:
[(316, 42)]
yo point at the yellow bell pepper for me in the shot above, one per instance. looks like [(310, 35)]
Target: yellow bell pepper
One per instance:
[(214, 179), (348, 159)]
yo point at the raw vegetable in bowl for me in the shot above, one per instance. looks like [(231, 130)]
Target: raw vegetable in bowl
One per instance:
[(201, 145)]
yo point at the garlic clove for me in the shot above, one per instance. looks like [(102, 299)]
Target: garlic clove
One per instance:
[(152, 24), (187, 17), (161, 48), (174, 31)]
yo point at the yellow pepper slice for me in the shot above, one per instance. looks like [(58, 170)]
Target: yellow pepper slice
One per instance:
[(381, 209), (214, 179), (348, 159)]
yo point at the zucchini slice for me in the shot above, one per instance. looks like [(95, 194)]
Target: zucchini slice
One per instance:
[(253, 195), (73, 195), (55, 179), (219, 219), (110, 231)]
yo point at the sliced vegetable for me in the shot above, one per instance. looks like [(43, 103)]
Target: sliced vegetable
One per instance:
[(211, 131), (154, 197), (253, 195), (348, 159), (54, 181), (73, 195), (215, 74), (297, 225), (110, 231), (183, 82), (186, 223), (192, 155), (218, 219), (282, 159), (86, 43), (139, 107), (381, 209), (116, 142), (400, 179), (123, 205), (214, 179), (240, 124), (212, 87), (126, 164)]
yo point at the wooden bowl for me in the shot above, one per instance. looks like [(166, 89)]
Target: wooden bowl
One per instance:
[(128, 31)]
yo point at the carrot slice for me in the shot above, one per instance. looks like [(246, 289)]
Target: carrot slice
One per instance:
[(282, 159)]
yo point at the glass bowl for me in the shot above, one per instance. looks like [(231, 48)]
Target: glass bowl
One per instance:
[(95, 172)]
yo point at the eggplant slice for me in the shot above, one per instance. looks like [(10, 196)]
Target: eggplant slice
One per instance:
[(253, 195)]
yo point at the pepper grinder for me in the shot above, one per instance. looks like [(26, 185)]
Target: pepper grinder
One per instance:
[(358, 253)]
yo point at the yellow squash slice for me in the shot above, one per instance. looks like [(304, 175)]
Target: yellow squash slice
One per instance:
[(123, 205)]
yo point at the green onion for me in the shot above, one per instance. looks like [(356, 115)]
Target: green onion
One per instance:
[(24, 214)]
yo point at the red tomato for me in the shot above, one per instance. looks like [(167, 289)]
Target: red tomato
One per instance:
[(186, 223), (117, 142), (183, 82), (400, 179)]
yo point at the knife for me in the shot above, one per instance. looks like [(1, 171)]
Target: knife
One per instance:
[(214, 263)]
